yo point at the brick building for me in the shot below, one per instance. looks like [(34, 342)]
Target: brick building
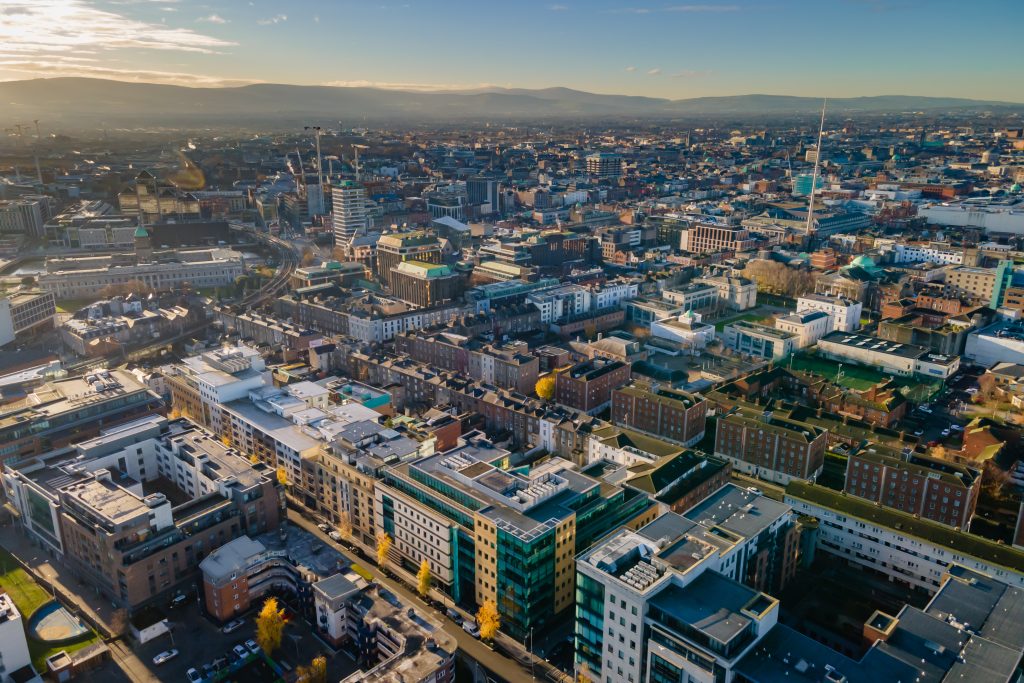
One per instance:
[(673, 415), (588, 386), (774, 448)]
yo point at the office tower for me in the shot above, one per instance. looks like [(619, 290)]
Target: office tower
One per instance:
[(349, 216), (604, 165), (483, 192), (415, 245)]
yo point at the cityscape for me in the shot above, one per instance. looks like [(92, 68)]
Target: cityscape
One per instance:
[(411, 364)]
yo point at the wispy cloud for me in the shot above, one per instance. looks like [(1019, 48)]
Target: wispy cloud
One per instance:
[(694, 9), (38, 27), (213, 19), (631, 69), (654, 72), (558, 8), (276, 19), (414, 87)]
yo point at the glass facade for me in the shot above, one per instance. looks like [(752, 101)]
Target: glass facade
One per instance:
[(589, 624), (526, 582)]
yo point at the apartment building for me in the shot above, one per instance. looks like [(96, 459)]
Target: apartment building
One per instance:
[(588, 386), (674, 415), (425, 284), (201, 385), (97, 505), (984, 286), (930, 488), (237, 575), (771, 447), (757, 340), (898, 545), (844, 314), (507, 365), (703, 237)]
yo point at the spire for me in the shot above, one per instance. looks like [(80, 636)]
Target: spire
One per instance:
[(814, 176)]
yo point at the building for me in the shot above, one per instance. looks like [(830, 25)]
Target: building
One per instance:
[(389, 641), (155, 200), (98, 505), (809, 326), (771, 447), (1001, 342), (670, 414), (395, 248), (985, 286), (1000, 215), (26, 312), (65, 411), (238, 574), (932, 253), (84, 276), (844, 314), (897, 545), (201, 385), (694, 297), (23, 217), (559, 303), (905, 360), (425, 284), (588, 386), (484, 193), (706, 237), (604, 165), (678, 599), (736, 293), (496, 534), (760, 341), (686, 330), (15, 660), (349, 216), (926, 487)]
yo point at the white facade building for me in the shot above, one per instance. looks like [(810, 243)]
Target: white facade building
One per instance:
[(809, 326), (14, 653), (917, 253), (844, 313), (561, 302)]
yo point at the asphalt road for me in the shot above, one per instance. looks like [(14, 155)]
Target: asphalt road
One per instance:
[(505, 668)]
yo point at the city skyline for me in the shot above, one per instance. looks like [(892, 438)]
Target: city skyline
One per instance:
[(675, 51)]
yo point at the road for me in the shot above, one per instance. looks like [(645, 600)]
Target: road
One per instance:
[(508, 669)]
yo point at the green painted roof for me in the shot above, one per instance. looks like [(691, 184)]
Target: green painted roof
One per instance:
[(141, 232)]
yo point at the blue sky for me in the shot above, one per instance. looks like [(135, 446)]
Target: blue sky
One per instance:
[(663, 49)]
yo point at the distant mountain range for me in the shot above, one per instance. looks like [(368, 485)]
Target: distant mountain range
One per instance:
[(92, 102)]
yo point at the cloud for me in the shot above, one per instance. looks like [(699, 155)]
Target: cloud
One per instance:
[(276, 19), (33, 28), (75, 66), (631, 69), (557, 8), (213, 19), (414, 87), (674, 8), (654, 72)]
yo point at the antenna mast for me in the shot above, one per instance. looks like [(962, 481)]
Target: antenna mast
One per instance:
[(814, 176)]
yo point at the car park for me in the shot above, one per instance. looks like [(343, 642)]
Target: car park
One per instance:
[(233, 625), (165, 656)]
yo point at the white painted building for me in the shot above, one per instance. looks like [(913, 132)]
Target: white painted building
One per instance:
[(844, 313), (686, 329), (891, 357), (919, 253), (561, 302), (612, 294), (14, 653), (1002, 342), (809, 326), (909, 550)]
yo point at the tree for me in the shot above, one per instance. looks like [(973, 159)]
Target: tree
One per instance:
[(269, 626), (488, 619), (345, 525), (423, 579), (383, 547), (136, 287), (986, 386), (583, 674), (545, 387), (28, 281), (308, 257), (282, 476), (316, 672)]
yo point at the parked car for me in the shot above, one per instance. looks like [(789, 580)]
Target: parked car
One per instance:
[(918, 432), (233, 625), (957, 428), (165, 656), (178, 600), (471, 628), (252, 646), (335, 536), (452, 614), (924, 409), (972, 391), (240, 651), (193, 676), (323, 527), (945, 432)]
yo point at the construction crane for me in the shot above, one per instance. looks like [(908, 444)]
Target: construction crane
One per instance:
[(357, 148)]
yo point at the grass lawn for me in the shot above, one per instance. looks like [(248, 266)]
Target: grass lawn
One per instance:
[(73, 305), (720, 325), (29, 596), (854, 376)]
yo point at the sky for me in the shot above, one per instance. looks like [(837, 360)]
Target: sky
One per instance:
[(834, 48)]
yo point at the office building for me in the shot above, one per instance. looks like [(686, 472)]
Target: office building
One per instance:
[(844, 314), (23, 216), (201, 385), (349, 216), (153, 200), (809, 326), (425, 284), (905, 360), (736, 293), (759, 341), (604, 165), (395, 248), (1001, 342), (26, 312), (771, 447), (484, 193), (705, 237), (984, 286), (671, 414), (929, 488), (15, 660), (98, 505)]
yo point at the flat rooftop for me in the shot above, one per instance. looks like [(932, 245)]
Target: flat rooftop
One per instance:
[(738, 510), (711, 604)]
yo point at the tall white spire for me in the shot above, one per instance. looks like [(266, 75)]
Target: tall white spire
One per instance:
[(814, 176)]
